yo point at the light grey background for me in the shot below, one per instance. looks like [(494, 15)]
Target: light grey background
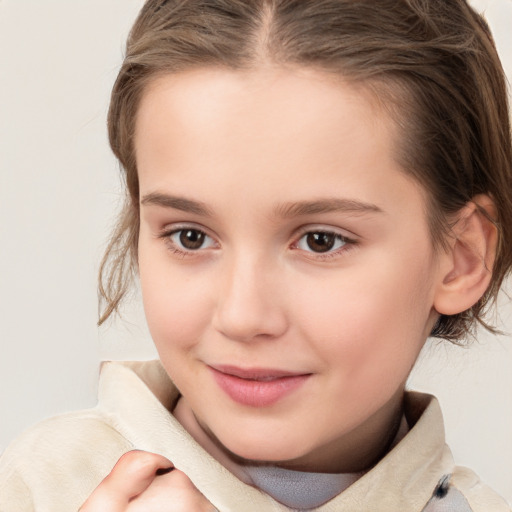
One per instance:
[(59, 189)]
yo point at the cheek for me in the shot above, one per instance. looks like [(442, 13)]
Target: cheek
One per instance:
[(175, 304), (371, 322)]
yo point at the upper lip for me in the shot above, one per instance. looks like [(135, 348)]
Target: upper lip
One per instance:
[(255, 373)]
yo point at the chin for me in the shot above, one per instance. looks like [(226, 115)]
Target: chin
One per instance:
[(262, 449)]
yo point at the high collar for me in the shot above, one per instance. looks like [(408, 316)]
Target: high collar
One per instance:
[(138, 396)]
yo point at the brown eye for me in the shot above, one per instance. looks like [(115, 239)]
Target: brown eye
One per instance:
[(191, 239), (188, 240), (321, 241)]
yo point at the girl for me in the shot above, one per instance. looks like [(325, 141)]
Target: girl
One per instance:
[(314, 188)]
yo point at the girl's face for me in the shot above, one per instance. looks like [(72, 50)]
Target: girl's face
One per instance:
[(286, 266)]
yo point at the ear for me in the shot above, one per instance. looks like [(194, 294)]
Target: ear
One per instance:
[(466, 268)]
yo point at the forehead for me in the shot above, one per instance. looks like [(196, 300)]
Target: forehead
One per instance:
[(269, 96), (266, 130)]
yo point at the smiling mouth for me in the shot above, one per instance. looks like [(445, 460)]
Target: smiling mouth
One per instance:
[(257, 387)]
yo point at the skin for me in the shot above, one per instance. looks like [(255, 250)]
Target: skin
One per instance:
[(143, 482), (257, 163), (242, 148)]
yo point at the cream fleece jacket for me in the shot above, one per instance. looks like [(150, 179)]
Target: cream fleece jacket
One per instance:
[(54, 466)]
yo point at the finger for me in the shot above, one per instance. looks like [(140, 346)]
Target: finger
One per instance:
[(132, 475), (172, 492), (134, 472)]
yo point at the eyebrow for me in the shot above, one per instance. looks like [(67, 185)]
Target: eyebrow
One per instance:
[(176, 202), (300, 208), (285, 210)]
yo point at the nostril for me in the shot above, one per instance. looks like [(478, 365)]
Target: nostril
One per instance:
[(249, 325), (247, 308)]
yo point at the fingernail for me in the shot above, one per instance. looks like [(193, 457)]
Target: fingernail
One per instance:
[(163, 471)]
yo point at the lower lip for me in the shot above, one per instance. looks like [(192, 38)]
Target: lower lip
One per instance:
[(257, 393)]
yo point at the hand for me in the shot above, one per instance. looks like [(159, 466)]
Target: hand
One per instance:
[(146, 482)]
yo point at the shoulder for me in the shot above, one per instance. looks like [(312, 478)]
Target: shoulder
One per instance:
[(426, 465), (480, 497), (462, 491), (59, 461), (457, 488), (55, 465)]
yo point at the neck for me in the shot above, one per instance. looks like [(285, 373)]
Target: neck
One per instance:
[(359, 449), (353, 452)]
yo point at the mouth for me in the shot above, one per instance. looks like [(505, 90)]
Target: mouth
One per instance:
[(257, 387)]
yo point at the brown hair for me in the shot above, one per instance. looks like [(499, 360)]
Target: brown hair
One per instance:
[(432, 62)]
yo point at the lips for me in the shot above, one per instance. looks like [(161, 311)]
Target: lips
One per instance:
[(257, 387)]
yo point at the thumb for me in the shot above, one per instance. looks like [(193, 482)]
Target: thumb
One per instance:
[(134, 472), (132, 475)]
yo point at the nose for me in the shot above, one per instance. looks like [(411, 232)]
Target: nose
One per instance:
[(249, 303)]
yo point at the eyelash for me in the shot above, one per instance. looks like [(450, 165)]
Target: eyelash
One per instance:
[(348, 243), (173, 247)]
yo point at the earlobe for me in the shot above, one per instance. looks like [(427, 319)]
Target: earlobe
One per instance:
[(466, 267)]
